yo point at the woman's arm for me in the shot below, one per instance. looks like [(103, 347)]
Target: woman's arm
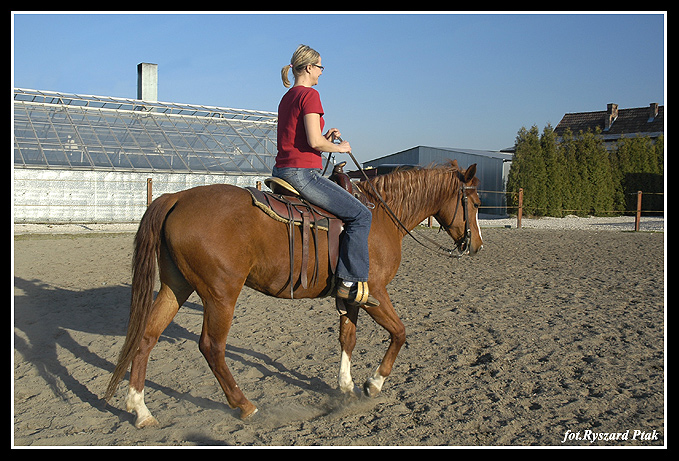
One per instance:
[(315, 138)]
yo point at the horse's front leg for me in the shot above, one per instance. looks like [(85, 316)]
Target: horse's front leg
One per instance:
[(347, 340), (386, 316)]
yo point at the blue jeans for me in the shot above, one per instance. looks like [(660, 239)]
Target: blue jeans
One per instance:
[(353, 261)]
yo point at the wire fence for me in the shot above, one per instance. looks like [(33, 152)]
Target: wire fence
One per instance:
[(104, 199), (637, 212)]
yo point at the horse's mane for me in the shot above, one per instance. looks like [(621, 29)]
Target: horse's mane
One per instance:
[(407, 191)]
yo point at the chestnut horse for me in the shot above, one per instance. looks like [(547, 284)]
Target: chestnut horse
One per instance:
[(212, 240)]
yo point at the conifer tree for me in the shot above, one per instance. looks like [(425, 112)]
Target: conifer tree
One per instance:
[(515, 177), (555, 171), (577, 174), (530, 173), (637, 165), (597, 180), (572, 185), (659, 148), (619, 160)]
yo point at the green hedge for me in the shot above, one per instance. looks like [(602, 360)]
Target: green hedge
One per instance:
[(577, 175)]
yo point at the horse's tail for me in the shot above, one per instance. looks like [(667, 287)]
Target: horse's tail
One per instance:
[(146, 250)]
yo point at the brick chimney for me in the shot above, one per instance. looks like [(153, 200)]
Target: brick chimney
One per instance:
[(611, 115), (653, 111)]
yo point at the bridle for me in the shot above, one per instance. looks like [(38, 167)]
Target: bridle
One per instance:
[(462, 246)]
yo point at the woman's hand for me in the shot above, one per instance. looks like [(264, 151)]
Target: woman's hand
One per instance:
[(332, 134), (344, 147)]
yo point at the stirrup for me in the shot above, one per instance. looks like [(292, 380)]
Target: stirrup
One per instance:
[(358, 294)]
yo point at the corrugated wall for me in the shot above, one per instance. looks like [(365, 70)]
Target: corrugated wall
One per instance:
[(91, 196)]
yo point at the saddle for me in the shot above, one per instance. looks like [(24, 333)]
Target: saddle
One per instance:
[(284, 204)]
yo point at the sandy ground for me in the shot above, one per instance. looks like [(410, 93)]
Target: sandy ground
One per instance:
[(546, 331)]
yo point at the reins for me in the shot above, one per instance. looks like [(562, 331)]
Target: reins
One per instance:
[(463, 248)]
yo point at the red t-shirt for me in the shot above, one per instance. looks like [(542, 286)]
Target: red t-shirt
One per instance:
[(294, 150)]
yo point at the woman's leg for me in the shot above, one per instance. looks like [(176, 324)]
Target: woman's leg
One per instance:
[(353, 264)]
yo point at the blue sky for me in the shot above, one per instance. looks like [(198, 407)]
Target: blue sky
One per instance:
[(391, 81)]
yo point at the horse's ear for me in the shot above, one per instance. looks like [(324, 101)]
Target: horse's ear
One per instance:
[(453, 163), (469, 174)]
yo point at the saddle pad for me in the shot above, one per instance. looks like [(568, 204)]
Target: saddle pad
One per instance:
[(277, 208)]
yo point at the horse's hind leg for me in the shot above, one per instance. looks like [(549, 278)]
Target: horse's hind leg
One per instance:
[(216, 324), (174, 291)]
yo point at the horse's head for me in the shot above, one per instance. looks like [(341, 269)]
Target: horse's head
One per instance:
[(459, 215)]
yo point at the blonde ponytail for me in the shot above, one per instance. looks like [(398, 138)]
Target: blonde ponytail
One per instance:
[(302, 57), (284, 75)]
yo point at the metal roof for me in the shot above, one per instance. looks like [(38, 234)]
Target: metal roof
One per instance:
[(452, 150)]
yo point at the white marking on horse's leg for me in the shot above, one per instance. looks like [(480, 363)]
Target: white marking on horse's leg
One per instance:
[(346, 383), (373, 386), (135, 403)]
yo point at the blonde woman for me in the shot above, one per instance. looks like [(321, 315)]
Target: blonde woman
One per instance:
[(299, 162)]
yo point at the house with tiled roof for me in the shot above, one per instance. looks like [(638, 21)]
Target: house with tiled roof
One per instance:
[(615, 123)]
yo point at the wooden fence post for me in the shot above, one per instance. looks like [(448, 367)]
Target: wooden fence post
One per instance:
[(637, 219), (149, 191), (519, 215)]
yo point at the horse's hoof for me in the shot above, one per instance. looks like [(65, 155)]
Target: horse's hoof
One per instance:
[(149, 421), (247, 412), (351, 392), (370, 389)]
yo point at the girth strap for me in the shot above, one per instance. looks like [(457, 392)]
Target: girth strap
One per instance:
[(305, 248), (291, 240)]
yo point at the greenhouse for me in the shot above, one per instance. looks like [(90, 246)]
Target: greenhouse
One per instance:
[(72, 131), (93, 159)]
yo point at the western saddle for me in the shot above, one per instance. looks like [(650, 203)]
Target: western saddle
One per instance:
[(284, 204)]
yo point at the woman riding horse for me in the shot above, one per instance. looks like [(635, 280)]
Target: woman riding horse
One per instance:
[(300, 143)]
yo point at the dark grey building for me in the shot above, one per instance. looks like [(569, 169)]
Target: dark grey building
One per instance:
[(492, 169)]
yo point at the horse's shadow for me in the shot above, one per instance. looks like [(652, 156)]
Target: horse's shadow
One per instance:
[(45, 316)]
